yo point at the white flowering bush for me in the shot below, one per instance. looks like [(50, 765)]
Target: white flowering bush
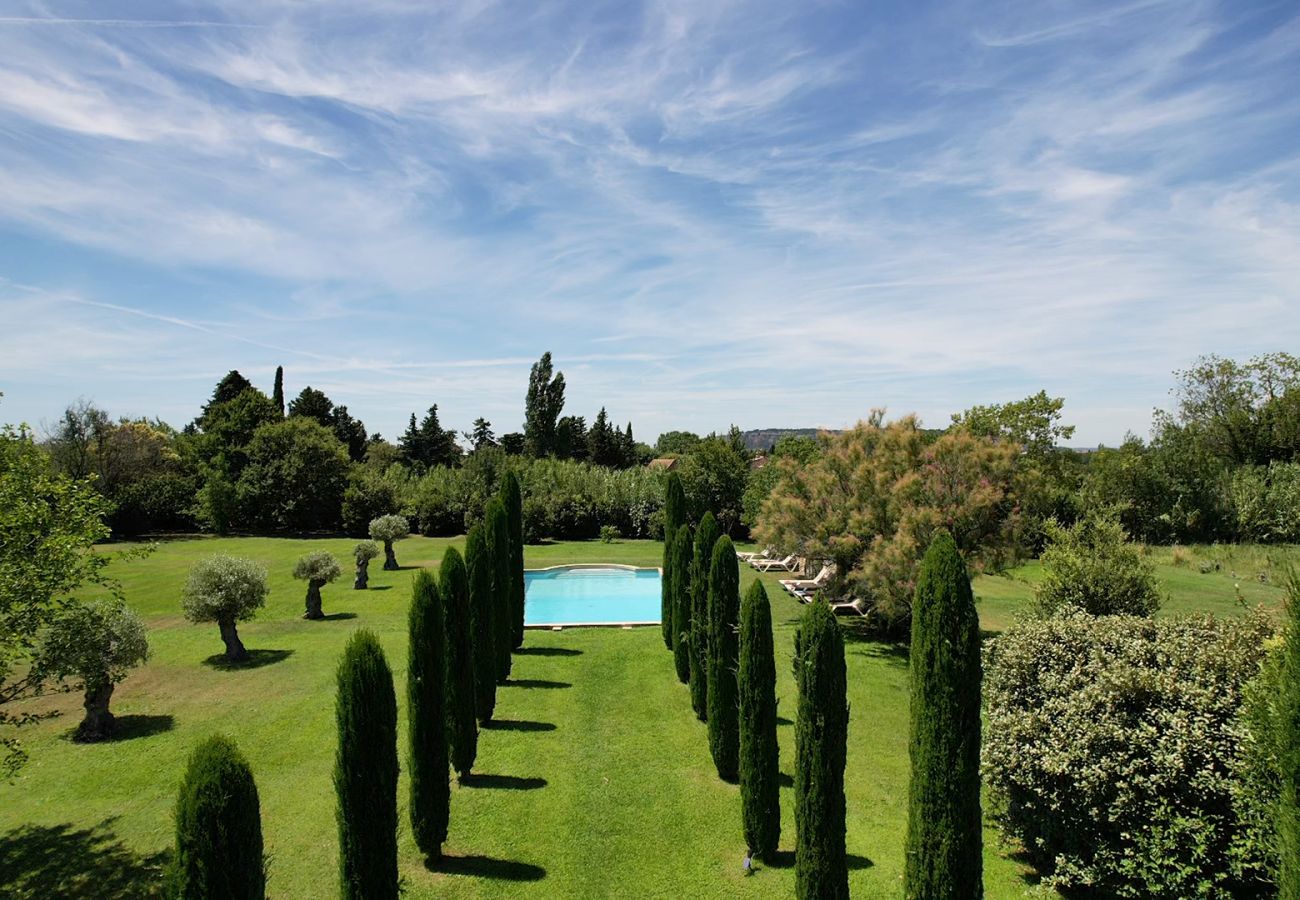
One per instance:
[(1113, 752)]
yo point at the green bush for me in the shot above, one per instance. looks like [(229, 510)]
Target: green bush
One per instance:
[(821, 751), (680, 582), (501, 552), (1265, 502), (512, 496), (218, 827), (425, 690), (365, 771), (1092, 566), (724, 658), (609, 534), (944, 850), (462, 729), (368, 496), (760, 789), (482, 614), (295, 478), (706, 535), (1112, 751)]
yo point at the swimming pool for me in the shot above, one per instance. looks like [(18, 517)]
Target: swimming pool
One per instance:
[(591, 595)]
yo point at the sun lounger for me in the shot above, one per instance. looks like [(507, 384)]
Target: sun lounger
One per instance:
[(751, 555), (855, 607), (797, 585), (771, 565)]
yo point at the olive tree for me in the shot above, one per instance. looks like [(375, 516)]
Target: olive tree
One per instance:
[(388, 529), (317, 569), (97, 644), (225, 590), (363, 553)]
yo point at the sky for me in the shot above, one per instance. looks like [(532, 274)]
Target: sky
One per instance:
[(770, 214)]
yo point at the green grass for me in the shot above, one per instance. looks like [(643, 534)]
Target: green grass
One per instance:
[(598, 783)]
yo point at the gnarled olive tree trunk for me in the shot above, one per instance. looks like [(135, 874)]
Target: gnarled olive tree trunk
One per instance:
[(314, 610), (390, 558), (235, 651), (363, 575), (99, 722)]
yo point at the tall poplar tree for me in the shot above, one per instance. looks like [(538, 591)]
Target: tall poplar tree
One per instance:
[(542, 407), (503, 585), (512, 495), (483, 626), (462, 729), (724, 659), (705, 537), (674, 518), (760, 799), (425, 692), (683, 547), (277, 393)]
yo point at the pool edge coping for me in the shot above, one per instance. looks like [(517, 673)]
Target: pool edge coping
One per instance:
[(560, 626)]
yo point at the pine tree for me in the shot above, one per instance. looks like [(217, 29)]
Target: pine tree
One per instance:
[(705, 537), (462, 729), (218, 827), (503, 585), (512, 496), (1288, 749), (365, 771), (425, 673), (683, 546), (945, 851), (760, 799), (277, 393), (478, 561), (821, 749), (724, 659), (674, 518)]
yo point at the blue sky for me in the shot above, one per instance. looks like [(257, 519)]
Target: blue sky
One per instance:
[(771, 214)]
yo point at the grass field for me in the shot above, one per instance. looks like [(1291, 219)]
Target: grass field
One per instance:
[(595, 781)]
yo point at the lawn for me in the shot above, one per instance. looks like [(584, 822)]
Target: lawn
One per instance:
[(596, 780)]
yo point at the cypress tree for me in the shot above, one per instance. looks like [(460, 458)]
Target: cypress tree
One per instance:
[(218, 827), (512, 496), (1288, 749), (760, 799), (426, 669), (478, 562), (674, 518), (945, 852), (365, 771), (277, 394), (503, 587), (705, 537), (462, 729), (821, 748), (724, 659), (683, 547)]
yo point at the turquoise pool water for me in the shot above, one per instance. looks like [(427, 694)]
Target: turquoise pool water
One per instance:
[(579, 595)]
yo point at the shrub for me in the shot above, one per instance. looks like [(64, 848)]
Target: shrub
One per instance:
[(760, 800), (365, 771), (1092, 566), (821, 750), (1265, 502), (501, 553), (705, 537), (513, 498), (680, 584), (1287, 743), (462, 730), (478, 563), (225, 590), (363, 553), (97, 643), (317, 569), (944, 850), (425, 674), (724, 657), (369, 495), (218, 827), (1134, 717), (387, 529), (295, 478), (609, 534)]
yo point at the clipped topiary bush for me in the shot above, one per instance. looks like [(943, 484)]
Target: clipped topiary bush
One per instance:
[(945, 847), (1140, 718), (724, 659), (218, 827), (425, 690), (225, 590), (682, 548), (363, 553), (386, 530), (821, 750), (760, 773), (462, 729), (706, 535), (478, 563), (317, 569), (365, 771)]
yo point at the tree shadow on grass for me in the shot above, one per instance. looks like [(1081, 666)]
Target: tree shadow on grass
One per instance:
[(256, 659), (892, 654), (536, 683), (62, 861), (782, 720), (128, 728), (337, 617), (548, 651), (490, 868), (380, 587), (785, 779), (518, 725), (502, 782), (784, 859)]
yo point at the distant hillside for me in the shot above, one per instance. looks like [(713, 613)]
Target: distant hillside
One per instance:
[(764, 438)]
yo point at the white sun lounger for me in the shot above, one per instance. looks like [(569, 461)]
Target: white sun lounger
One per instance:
[(801, 585), (769, 565)]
